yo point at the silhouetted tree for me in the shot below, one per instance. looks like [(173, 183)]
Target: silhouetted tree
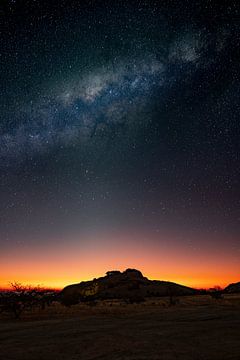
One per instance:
[(22, 298), (173, 300), (216, 292)]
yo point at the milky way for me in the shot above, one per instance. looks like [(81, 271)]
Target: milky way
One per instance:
[(119, 116), (107, 100)]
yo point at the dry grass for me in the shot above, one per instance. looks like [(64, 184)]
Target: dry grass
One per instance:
[(197, 328)]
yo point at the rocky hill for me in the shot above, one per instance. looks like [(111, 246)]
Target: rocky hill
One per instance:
[(233, 288), (129, 284)]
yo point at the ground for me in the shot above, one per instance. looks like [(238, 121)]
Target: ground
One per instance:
[(198, 328)]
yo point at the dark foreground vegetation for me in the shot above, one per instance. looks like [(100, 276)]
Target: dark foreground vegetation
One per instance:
[(128, 287), (25, 298), (121, 316), (196, 327)]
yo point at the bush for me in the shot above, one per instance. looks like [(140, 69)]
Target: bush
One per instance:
[(216, 292), (135, 299), (22, 298)]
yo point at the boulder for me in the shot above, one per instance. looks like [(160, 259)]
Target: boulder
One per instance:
[(233, 288), (128, 284)]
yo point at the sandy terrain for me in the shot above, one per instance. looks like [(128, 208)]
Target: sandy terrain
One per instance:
[(197, 328)]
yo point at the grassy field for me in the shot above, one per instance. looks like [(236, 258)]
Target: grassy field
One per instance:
[(196, 328)]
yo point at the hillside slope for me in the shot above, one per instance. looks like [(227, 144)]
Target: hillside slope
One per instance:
[(129, 284), (233, 288)]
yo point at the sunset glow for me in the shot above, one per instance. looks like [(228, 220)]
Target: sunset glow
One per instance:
[(159, 259)]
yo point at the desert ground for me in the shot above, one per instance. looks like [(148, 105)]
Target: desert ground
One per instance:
[(197, 327)]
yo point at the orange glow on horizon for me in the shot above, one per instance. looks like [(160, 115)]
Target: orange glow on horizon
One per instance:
[(59, 283), (56, 265)]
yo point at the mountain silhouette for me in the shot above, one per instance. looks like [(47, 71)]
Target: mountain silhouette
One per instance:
[(233, 288), (129, 284)]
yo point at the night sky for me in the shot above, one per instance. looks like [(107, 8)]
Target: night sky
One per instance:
[(119, 140)]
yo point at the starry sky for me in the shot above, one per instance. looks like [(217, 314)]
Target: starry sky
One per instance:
[(119, 140)]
